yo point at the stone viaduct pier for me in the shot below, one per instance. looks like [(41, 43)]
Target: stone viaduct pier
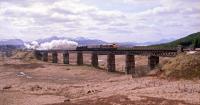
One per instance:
[(152, 53)]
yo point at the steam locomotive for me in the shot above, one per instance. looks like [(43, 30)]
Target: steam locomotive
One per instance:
[(98, 47)]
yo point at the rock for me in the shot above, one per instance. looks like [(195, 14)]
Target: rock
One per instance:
[(66, 100), (36, 88), (7, 87), (20, 74), (68, 69), (88, 92)]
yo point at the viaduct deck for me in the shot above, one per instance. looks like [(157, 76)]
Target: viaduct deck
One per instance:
[(123, 51)]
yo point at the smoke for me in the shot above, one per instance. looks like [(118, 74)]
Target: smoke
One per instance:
[(53, 45), (32, 45)]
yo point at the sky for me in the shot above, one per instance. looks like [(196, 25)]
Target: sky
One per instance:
[(108, 20)]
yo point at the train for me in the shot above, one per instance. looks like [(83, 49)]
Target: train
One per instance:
[(98, 47)]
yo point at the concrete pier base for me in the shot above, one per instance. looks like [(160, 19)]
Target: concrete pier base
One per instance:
[(111, 62), (45, 56), (80, 58), (179, 49), (66, 57), (153, 61), (130, 64), (94, 60), (38, 55), (54, 57)]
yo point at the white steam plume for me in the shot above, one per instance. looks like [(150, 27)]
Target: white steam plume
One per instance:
[(32, 45), (55, 45), (58, 44)]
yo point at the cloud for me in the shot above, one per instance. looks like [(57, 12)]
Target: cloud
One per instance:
[(153, 20)]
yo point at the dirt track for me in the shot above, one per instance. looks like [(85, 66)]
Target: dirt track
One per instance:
[(23, 83)]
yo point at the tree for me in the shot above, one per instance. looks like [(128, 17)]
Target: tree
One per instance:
[(196, 43)]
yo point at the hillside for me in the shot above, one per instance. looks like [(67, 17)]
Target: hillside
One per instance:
[(188, 41), (185, 65)]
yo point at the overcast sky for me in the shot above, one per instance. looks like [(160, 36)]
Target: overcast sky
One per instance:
[(108, 20)]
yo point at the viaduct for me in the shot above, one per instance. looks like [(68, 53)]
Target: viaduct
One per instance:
[(152, 53)]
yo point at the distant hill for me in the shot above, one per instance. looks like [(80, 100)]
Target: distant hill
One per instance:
[(131, 44), (86, 41), (8, 45), (79, 40), (188, 41), (12, 42)]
